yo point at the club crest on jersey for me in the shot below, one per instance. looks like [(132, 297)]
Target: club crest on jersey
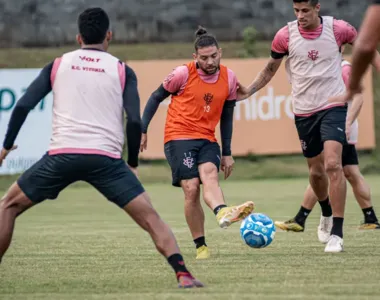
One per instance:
[(208, 98), (313, 55)]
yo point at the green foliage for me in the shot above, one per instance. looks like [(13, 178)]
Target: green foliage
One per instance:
[(250, 35)]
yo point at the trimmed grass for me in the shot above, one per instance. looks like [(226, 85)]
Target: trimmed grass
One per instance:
[(81, 247)]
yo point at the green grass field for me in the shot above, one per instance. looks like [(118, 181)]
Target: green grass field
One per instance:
[(81, 247)]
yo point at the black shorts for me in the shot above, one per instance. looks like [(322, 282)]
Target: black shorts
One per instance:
[(325, 125), (53, 173), (184, 157), (349, 155)]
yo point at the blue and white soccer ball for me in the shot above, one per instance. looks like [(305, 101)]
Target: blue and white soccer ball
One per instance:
[(257, 230)]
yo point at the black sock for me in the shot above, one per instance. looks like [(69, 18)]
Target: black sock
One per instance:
[(199, 242), (326, 207), (369, 215), (302, 216), (337, 228), (177, 263), (218, 208)]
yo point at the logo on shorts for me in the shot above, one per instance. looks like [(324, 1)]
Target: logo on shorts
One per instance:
[(188, 161), (303, 145), (313, 55)]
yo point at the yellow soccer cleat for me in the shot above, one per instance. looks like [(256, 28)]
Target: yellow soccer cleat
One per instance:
[(290, 225), (229, 215), (369, 226), (203, 253)]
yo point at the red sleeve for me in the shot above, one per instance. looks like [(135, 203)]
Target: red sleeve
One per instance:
[(280, 44), (346, 73), (233, 85), (344, 32), (176, 80)]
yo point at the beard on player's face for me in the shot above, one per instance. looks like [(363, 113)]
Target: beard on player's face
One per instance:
[(208, 59), (210, 68)]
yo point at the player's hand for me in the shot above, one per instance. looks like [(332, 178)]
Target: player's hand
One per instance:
[(4, 153), (144, 142), (347, 96), (242, 92), (134, 171), (227, 165)]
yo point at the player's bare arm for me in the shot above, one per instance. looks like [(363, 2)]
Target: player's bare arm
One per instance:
[(354, 112), (365, 46), (375, 55), (264, 77), (355, 109)]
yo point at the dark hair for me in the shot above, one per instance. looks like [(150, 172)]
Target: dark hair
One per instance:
[(93, 25), (312, 2), (204, 39)]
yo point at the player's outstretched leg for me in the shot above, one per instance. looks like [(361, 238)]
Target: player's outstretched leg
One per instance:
[(318, 177), (142, 211), (319, 182), (213, 196), (195, 216), (362, 194), (338, 189), (13, 204)]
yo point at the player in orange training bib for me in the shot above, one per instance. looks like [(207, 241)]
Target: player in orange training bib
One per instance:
[(203, 93)]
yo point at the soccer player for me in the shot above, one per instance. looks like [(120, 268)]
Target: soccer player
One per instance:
[(312, 46), (90, 88), (363, 51), (203, 93), (352, 173)]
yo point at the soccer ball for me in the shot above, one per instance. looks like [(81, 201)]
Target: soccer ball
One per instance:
[(257, 230)]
